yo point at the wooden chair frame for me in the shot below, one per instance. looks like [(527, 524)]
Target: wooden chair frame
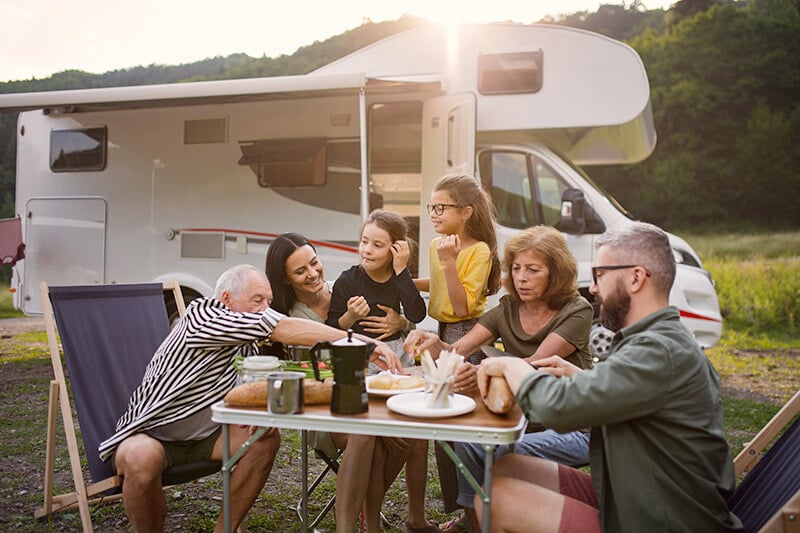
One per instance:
[(787, 518), (84, 493)]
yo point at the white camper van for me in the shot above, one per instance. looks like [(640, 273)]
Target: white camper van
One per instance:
[(181, 181)]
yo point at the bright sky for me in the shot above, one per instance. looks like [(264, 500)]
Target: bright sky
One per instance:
[(39, 38)]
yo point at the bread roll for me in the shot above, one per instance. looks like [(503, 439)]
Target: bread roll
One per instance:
[(499, 399), (391, 382), (411, 382), (381, 382), (254, 394)]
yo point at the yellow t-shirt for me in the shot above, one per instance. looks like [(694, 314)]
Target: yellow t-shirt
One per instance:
[(473, 265)]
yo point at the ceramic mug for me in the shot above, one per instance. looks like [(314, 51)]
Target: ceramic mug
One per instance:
[(285, 392)]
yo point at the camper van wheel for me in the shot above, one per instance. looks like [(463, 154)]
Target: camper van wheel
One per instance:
[(600, 342), (172, 308)]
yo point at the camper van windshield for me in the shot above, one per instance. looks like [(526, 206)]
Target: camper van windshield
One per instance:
[(594, 184)]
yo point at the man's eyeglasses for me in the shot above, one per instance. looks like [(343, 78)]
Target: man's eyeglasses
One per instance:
[(597, 269), (438, 209)]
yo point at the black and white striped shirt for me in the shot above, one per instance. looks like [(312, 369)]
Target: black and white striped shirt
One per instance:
[(192, 369)]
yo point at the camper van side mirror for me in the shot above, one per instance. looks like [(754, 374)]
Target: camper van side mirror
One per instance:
[(573, 207)]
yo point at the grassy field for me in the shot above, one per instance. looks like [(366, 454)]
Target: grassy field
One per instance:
[(758, 360)]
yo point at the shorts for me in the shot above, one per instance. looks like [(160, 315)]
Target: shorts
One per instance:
[(182, 452), (190, 451), (581, 512)]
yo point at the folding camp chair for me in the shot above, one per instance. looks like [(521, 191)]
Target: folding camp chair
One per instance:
[(325, 449), (108, 334), (768, 499)]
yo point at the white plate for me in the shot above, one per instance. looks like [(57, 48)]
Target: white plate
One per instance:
[(414, 405), (391, 392)]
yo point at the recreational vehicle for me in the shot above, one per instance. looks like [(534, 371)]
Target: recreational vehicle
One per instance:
[(150, 183)]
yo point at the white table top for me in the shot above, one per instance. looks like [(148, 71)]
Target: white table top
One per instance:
[(480, 426)]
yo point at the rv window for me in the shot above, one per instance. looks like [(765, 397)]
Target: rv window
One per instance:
[(395, 138), (286, 162), (78, 150), (511, 73), (342, 184)]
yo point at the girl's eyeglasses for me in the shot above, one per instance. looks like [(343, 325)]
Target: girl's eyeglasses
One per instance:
[(438, 209)]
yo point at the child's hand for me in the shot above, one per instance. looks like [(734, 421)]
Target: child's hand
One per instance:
[(448, 248), (400, 254), (358, 307)]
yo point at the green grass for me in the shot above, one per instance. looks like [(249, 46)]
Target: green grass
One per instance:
[(757, 277), (6, 305), (745, 245), (760, 296)]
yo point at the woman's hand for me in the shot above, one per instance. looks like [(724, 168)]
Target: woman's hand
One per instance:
[(418, 341), (384, 326), (401, 252), (466, 381), (385, 358)]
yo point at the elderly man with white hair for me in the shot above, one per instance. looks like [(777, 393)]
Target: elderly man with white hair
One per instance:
[(168, 420)]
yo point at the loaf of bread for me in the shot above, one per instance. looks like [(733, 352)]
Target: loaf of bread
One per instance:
[(392, 382), (317, 392), (254, 394), (499, 398)]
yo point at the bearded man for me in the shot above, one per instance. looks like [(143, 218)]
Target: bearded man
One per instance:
[(658, 458)]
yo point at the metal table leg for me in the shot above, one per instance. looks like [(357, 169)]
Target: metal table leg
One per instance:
[(304, 465), (228, 463), (485, 492)]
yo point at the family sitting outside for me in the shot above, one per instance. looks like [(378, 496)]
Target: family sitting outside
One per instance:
[(633, 443)]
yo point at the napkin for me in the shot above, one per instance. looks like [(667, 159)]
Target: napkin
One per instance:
[(439, 377)]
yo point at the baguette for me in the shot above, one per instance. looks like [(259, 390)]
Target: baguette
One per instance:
[(499, 399), (317, 392), (254, 394)]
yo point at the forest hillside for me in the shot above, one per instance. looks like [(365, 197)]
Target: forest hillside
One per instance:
[(725, 87)]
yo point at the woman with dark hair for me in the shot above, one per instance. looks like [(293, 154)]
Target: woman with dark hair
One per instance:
[(369, 464), (542, 315), (299, 287)]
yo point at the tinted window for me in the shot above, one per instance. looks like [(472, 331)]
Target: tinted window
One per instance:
[(508, 176), (505, 175), (342, 184), (510, 73), (78, 150)]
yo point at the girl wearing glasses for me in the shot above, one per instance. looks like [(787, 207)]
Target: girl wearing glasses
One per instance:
[(465, 267), (464, 271)]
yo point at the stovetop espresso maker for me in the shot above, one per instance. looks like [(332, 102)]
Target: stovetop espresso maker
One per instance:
[(349, 357)]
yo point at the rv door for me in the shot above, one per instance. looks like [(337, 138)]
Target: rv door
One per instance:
[(65, 245), (448, 147)]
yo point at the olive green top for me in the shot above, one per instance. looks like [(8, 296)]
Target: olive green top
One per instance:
[(572, 322), (658, 457)]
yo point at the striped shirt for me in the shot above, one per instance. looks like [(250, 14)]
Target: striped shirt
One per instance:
[(192, 369)]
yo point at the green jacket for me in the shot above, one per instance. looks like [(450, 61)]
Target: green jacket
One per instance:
[(658, 457)]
